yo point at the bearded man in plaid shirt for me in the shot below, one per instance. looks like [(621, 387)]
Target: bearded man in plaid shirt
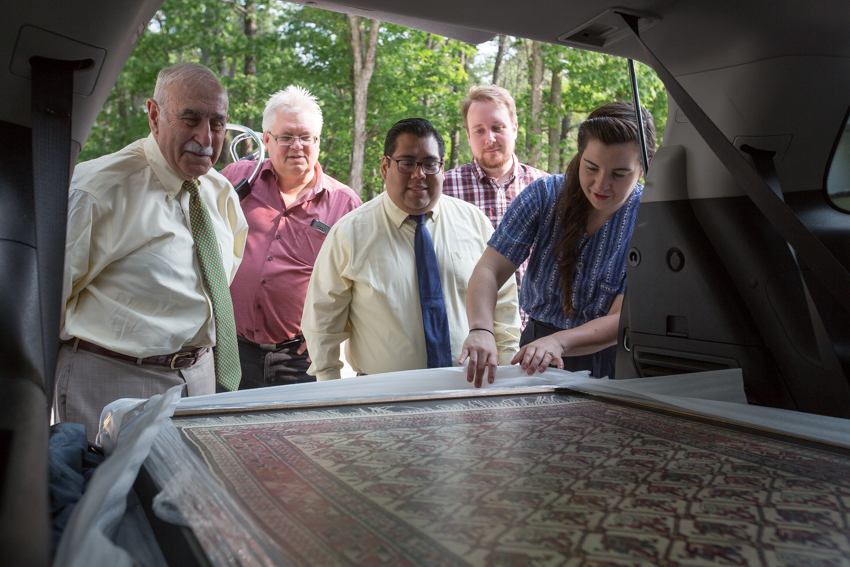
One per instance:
[(495, 176)]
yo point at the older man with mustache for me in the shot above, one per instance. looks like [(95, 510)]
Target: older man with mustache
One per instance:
[(154, 239)]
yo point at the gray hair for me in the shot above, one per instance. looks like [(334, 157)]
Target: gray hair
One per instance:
[(292, 98), (183, 73)]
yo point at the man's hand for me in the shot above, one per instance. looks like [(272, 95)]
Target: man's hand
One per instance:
[(540, 354), (480, 348), (302, 349)]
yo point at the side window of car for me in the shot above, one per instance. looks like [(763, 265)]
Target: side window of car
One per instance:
[(838, 179)]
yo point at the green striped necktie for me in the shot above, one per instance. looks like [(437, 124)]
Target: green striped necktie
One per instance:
[(228, 373)]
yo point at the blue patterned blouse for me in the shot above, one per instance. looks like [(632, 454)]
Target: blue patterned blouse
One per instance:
[(532, 225)]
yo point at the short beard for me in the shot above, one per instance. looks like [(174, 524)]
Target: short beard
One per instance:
[(494, 162)]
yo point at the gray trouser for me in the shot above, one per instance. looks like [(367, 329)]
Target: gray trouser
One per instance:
[(86, 382)]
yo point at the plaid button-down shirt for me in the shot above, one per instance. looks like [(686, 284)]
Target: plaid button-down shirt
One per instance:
[(469, 183)]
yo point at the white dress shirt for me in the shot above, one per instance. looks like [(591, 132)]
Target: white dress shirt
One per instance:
[(132, 278), (364, 288)]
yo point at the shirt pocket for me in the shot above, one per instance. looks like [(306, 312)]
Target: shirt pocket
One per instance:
[(606, 292), (308, 243), (463, 263)]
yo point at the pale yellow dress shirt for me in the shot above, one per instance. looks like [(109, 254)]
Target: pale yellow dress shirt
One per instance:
[(364, 288), (132, 278)]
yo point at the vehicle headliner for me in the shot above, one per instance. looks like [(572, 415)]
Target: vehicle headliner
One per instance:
[(690, 37)]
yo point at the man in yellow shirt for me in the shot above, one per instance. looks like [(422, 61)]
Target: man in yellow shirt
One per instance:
[(392, 275), (154, 237)]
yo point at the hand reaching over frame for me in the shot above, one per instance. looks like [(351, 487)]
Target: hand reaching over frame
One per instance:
[(537, 356), (480, 348)]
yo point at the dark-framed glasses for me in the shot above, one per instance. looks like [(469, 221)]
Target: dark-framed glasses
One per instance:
[(289, 140), (429, 166)]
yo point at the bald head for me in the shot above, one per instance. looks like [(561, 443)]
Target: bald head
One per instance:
[(191, 76), (188, 118)]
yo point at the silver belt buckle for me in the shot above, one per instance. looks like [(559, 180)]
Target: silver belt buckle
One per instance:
[(269, 347)]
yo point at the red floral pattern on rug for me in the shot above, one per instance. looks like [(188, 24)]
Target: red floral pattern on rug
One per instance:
[(545, 480)]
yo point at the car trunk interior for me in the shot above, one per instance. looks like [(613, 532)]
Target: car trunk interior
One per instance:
[(712, 283)]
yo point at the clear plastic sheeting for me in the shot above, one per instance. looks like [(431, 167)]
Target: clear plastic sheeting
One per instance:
[(100, 533), (433, 382), (193, 497), (717, 395), (721, 386)]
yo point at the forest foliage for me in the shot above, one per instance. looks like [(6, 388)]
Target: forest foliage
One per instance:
[(259, 48)]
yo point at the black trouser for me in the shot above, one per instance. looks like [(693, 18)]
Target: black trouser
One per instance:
[(600, 363), (263, 366)]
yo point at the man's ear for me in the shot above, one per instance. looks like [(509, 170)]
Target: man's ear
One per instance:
[(153, 115), (385, 164)]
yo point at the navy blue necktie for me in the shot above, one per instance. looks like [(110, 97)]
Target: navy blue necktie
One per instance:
[(434, 317)]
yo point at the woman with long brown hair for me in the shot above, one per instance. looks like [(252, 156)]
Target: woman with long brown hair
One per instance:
[(575, 230)]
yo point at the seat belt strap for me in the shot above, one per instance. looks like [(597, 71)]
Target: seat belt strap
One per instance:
[(763, 161), (52, 101), (809, 249)]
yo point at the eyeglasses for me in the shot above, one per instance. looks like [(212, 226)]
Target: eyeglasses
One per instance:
[(429, 167), (289, 140)]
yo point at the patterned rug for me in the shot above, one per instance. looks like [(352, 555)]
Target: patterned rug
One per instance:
[(537, 480)]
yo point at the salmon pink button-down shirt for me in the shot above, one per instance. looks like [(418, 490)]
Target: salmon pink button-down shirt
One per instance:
[(269, 288)]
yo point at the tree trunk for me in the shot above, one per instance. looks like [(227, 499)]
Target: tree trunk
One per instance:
[(555, 123), (364, 65), (370, 192), (429, 45), (500, 54), (520, 69), (535, 128), (455, 138), (250, 64), (565, 130), (251, 35), (455, 148), (327, 150)]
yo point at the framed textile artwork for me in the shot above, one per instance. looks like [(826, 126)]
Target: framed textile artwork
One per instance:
[(546, 479)]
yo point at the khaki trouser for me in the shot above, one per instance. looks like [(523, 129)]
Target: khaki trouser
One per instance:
[(86, 382)]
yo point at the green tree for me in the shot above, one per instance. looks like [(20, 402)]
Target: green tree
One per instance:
[(258, 48), (212, 32)]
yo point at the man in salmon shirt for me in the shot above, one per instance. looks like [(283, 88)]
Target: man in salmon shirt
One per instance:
[(290, 209)]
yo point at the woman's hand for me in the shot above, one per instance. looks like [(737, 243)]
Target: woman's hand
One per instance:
[(480, 348), (540, 354), (589, 338)]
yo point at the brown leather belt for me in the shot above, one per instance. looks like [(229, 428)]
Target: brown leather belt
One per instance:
[(174, 361)]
